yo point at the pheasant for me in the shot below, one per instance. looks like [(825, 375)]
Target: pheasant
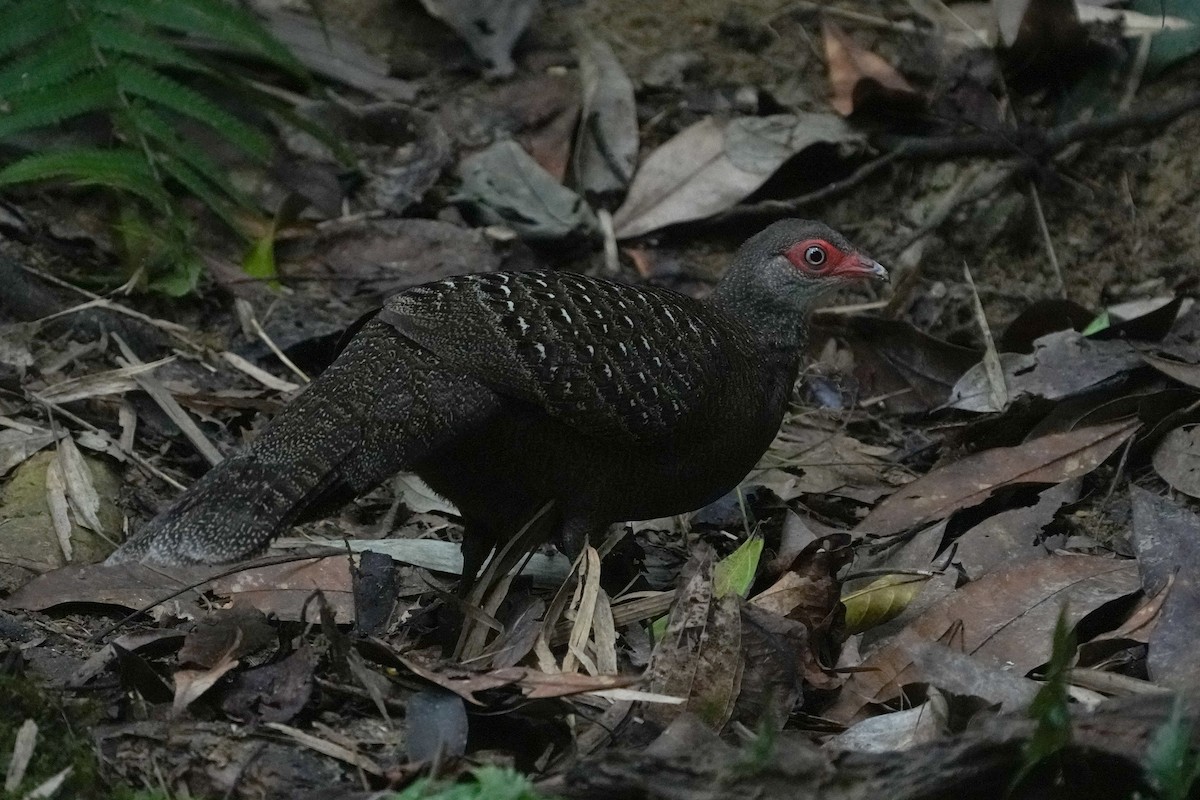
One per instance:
[(507, 390)]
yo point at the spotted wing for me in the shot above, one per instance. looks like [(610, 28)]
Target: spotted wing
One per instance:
[(603, 357)]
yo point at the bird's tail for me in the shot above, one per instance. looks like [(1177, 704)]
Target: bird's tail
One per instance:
[(377, 410)]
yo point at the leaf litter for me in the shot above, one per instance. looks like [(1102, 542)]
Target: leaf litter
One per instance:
[(912, 538)]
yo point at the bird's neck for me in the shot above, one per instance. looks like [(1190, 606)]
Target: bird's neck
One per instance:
[(774, 323)]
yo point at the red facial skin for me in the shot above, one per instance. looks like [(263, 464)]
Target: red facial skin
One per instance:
[(836, 263)]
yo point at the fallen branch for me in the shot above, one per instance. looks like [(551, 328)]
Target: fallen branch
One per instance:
[(1030, 146)]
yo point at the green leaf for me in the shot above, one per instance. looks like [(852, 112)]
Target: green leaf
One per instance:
[(881, 600), (224, 22), (52, 105), (113, 36), (735, 573), (159, 130), (1172, 767), (259, 261), (62, 58), (24, 23), (1098, 324), (1051, 705), (121, 169), (138, 80)]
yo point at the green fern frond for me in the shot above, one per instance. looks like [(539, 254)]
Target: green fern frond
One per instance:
[(140, 67), (221, 21), (22, 24), (114, 36), (122, 169), (91, 91), (62, 59), (191, 180), (167, 138), (135, 79)]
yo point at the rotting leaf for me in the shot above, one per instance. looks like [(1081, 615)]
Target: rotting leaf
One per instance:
[(859, 79), (1177, 459), (1166, 538), (1001, 619), (274, 692), (968, 482), (699, 657), (490, 29), (437, 725), (503, 185), (710, 166)]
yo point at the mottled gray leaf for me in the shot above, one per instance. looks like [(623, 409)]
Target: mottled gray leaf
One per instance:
[(503, 185)]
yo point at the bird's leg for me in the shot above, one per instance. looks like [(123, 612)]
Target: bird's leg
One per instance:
[(479, 540), (575, 534)]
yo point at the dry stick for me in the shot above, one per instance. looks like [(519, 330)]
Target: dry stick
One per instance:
[(1030, 144), (130, 452), (170, 406), (1046, 240)]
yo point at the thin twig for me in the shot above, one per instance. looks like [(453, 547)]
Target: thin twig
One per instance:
[(1045, 230)]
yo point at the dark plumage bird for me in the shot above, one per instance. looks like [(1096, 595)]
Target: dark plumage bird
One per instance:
[(507, 390)]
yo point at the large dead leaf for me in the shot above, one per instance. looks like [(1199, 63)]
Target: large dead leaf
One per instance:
[(1177, 459), (1050, 459), (713, 164), (1166, 537), (1181, 371), (1013, 535), (1063, 364), (606, 145), (1005, 620), (285, 591), (503, 185), (699, 656)]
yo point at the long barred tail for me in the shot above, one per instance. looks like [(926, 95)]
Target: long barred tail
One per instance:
[(380, 407)]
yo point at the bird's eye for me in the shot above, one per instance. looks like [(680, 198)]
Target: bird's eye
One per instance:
[(815, 255)]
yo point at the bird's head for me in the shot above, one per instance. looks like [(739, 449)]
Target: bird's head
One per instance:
[(799, 255), (779, 273)]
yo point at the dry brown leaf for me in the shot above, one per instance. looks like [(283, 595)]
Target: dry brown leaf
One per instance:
[(1004, 619), (851, 68), (968, 482), (710, 166), (190, 684), (283, 590), (699, 657), (1177, 459), (1181, 371)]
